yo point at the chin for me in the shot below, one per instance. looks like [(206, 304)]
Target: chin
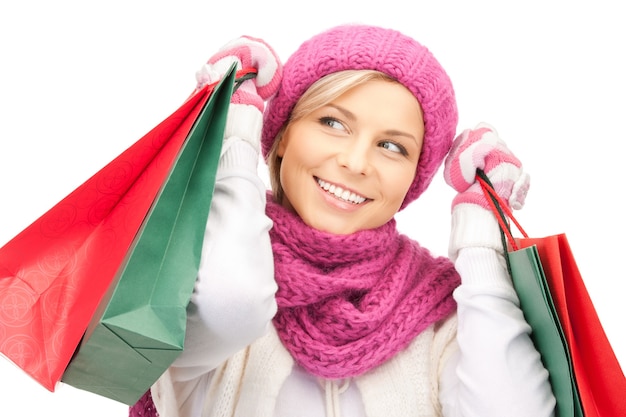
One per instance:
[(337, 228), (331, 227)]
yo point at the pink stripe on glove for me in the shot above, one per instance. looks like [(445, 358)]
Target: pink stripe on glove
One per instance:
[(246, 52)]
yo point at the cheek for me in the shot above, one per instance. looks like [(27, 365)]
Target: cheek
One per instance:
[(294, 163), (398, 182), (300, 152)]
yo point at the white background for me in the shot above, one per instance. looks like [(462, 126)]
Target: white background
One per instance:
[(81, 81)]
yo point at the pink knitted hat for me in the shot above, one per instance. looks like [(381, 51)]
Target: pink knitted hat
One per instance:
[(356, 47)]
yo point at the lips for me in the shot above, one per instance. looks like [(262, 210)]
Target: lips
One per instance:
[(340, 193)]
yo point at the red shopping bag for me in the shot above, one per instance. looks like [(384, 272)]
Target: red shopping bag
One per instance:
[(54, 273), (600, 385), (599, 377)]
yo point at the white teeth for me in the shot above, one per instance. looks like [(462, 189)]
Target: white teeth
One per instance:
[(341, 193)]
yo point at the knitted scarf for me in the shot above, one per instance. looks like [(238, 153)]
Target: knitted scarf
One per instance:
[(348, 303)]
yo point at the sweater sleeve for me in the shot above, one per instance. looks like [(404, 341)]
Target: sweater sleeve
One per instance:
[(233, 300), (496, 371)]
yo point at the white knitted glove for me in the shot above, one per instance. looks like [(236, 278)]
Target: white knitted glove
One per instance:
[(473, 221), (246, 111)]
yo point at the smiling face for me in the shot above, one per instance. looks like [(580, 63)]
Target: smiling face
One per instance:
[(347, 165)]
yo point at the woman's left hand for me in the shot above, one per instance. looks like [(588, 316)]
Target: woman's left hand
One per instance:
[(473, 223)]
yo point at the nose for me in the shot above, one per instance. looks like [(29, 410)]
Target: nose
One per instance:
[(355, 156)]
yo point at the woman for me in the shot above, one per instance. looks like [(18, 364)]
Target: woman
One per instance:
[(309, 302)]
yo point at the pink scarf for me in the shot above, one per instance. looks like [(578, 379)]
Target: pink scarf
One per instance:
[(348, 303)]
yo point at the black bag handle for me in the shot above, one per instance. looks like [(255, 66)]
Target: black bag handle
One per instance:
[(503, 214)]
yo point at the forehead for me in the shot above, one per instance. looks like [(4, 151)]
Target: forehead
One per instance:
[(332, 86), (380, 101)]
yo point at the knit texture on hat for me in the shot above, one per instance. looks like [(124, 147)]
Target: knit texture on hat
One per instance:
[(348, 303), (362, 47)]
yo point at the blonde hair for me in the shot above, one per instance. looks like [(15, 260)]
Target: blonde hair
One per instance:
[(322, 92)]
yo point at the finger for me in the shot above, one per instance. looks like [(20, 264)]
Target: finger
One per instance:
[(255, 53)]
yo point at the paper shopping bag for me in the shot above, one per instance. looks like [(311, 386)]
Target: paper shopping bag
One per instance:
[(141, 329), (55, 272), (586, 377), (599, 377), (547, 334)]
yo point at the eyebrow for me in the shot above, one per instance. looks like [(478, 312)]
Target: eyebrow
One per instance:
[(391, 132)]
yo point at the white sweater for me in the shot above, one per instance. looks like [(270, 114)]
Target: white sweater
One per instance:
[(479, 363)]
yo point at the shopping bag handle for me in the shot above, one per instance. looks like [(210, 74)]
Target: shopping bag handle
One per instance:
[(244, 74), (501, 210), (241, 75)]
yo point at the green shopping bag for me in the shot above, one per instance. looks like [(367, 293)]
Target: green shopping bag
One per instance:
[(537, 304), (139, 329)]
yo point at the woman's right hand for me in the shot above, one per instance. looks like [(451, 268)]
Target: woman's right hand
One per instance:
[(245, 52), (245, 114)]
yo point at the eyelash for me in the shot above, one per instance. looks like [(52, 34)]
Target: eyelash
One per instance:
[(402, 149), (326, 120)]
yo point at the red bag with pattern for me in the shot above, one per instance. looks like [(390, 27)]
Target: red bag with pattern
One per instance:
[(54, 273)]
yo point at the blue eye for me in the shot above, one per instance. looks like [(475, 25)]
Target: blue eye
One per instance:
[(393, 147), (331, 122)]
